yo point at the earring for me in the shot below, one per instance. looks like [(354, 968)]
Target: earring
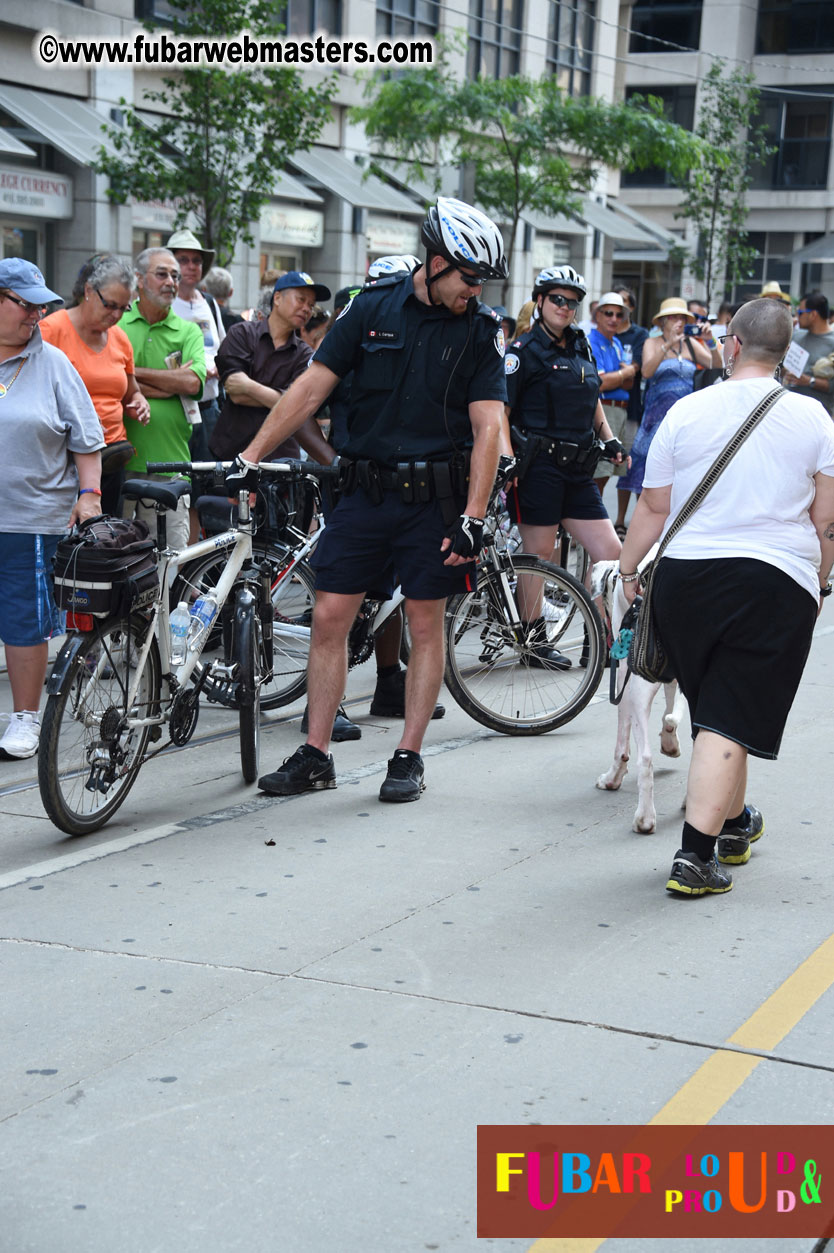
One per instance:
[(729, 367)]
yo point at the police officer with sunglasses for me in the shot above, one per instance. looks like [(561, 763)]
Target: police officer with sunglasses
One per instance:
[(557, 425)]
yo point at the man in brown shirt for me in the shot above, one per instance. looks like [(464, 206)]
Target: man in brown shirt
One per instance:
[(257, 362)]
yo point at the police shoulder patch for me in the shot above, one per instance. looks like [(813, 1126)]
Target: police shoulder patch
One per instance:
[(499, 342), (511, 363)]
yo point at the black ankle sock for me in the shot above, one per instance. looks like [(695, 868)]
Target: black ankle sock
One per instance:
[(694, 841), (387, 672), (312, 749), (740, 821)]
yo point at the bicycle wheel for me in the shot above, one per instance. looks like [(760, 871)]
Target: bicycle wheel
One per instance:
[(88, 757), (246, 652), (293, 595), (490, 667)]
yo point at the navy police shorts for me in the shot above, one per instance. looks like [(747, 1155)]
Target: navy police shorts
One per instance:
[(363, 542), (546, 495)]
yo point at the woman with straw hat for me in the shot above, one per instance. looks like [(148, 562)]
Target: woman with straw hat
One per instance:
[(669, 363)]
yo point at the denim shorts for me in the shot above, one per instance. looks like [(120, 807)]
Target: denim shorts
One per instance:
[(362, 542), (28, 614)]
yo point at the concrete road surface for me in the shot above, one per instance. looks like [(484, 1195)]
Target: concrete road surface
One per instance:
[(232, 1022)]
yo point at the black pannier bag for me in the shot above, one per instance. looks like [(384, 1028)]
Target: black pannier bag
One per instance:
[(107, 566)]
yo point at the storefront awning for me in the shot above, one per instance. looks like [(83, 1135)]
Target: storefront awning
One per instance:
[(289, 188), (334, 172), (609, 223), (553, 223), (820, 251), (70, 126), (12, 147)]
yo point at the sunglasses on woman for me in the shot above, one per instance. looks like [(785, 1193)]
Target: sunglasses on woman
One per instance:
[(563, 302)]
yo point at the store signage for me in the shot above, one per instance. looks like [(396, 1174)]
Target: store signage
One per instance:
[(389, 236), (283, 223), (35, 193)]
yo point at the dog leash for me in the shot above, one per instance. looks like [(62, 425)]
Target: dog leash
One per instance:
[(619, 650)]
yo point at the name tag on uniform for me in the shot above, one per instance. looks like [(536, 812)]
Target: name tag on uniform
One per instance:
[(382, 334)]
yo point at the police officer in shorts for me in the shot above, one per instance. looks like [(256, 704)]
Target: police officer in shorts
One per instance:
[(556, 423), (426, 413)]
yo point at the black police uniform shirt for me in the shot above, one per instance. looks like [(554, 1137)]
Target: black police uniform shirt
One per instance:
[(553, 391), (409, 362)]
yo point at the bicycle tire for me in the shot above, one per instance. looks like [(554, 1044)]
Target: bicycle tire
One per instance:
[(83, 779), (247, 656), (486, 664), (293, 596)]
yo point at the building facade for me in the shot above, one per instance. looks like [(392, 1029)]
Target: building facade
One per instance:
[(323, 216), (789, 45)]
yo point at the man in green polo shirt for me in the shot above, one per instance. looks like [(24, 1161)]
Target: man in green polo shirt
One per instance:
[(155, 332)]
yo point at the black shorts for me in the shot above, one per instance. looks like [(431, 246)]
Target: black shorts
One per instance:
[(363, 542), (738, 633), (547, 494)]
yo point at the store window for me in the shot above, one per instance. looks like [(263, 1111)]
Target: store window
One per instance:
[(404, 18), (772, 264), (657, 22), (303, 17), (795, 26), (678, 106), (570, 44), (494, 38), (20, 241), (800, 131)]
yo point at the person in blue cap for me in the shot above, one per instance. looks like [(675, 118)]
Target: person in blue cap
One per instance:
[(52, 441)]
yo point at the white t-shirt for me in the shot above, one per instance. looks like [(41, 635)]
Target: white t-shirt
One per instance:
[(759, 506), (198, 310)]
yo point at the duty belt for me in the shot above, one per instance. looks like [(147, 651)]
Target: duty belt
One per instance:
[(563, 452), (416, 481)]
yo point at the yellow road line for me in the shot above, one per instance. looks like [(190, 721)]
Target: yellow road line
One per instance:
[(723, 1073)]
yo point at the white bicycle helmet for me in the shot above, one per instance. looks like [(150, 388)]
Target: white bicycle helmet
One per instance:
[(404, 264), (465, 236), (560, 276)]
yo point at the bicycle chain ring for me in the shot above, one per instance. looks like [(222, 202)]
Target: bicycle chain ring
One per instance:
[(185, 710)]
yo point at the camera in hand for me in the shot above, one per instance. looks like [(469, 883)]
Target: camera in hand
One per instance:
[(692, 328)]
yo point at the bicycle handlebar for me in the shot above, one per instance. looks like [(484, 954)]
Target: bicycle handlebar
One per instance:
[(288, 468)]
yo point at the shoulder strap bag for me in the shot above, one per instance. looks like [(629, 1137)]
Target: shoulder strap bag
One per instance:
[(647, 656)]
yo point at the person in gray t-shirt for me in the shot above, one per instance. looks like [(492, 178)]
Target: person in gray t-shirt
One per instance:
[(51, 451), (818, 341)]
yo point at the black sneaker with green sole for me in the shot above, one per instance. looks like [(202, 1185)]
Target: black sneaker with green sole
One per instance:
[(690, 876), (733, 846)]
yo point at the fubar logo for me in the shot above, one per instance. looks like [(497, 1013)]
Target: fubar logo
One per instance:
[(650, 1182)]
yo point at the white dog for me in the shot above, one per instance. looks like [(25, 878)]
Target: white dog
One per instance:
[(635, 707)]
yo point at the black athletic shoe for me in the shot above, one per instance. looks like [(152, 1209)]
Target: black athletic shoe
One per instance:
[(343, 728), (690, 876), (305, 771), (542, 657), (404, 781), (734, 842), (538, 653), (389, 698)]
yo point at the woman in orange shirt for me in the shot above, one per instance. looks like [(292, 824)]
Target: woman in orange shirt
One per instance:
[(102, 355)]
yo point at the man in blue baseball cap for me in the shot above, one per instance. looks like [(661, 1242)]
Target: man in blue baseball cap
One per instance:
[(257, 362)]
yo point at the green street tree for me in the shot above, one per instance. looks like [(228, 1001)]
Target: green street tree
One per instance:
[(716, 187), (221, 135), (529, 144)]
